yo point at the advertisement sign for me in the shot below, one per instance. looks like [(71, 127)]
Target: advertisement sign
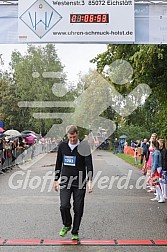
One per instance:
[(80, 21)]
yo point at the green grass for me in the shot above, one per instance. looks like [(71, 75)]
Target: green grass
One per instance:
[(129, 160)]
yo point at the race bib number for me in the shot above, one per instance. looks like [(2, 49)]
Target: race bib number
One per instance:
[(70, 160)]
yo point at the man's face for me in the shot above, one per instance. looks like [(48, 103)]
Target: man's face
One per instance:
[(73, 138)]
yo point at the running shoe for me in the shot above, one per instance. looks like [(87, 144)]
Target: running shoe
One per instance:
[(75, 237), (64, 231)]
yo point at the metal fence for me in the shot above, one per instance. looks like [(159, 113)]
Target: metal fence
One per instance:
[(10, 158)]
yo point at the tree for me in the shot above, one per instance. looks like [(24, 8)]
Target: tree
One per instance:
[(133, 132), (149, 64), (93, 108), (8, 101), (32, 83)]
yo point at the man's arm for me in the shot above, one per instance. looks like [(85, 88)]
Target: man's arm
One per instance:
[(89, 166), (58, 167)]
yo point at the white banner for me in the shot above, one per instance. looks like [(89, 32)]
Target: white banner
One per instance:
[(81, 21), (158, 24), (8, 24)]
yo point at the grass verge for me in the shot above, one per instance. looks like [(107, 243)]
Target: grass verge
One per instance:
[(129, 160)]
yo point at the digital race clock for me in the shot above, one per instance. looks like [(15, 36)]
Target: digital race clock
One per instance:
[(89, 18)]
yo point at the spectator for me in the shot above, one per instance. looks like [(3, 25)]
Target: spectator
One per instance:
[(156, 172), (116, 146), (1, 152), (163, 181), (144, 145), (135, 154), (121, 144), (132, 144), (149, 160)]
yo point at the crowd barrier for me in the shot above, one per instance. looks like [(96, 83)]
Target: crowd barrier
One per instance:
[(10, 158), (128, 150)]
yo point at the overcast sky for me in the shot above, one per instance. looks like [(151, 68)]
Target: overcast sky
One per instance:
[(75, 57)]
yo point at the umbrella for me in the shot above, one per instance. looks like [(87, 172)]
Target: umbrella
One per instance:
[(27, 132), (30, 133), (12, 133), (33, 135), (1, 130), (30, 140), (123, 137)]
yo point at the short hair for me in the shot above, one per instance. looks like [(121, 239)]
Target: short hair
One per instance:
[(71, 129)]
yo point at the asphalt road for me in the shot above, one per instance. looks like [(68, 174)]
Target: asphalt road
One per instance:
[(119, 208)]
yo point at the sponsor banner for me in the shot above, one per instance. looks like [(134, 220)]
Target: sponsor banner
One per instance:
[(81, 21)]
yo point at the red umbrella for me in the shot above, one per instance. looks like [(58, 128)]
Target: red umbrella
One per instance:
[(1, 130)]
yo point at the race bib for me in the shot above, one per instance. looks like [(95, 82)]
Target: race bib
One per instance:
[(70, 160)]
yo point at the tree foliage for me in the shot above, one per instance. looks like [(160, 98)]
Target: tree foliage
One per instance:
[(28, 83), (149, 64)]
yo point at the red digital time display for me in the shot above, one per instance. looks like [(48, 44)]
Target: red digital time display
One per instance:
[(89, 18)]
